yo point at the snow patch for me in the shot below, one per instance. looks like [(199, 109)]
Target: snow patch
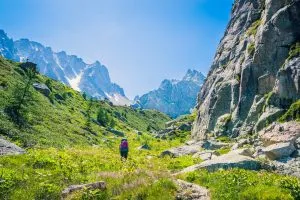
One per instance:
[(74, 82)]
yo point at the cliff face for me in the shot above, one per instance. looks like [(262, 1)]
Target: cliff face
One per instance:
[(254, 77)]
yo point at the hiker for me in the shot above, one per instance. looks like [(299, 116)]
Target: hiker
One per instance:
[(124, 148)]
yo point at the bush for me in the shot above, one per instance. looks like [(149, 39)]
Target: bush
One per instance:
[(294, 51), (251, 49), (253, 28), (47, 192), (293, 113)]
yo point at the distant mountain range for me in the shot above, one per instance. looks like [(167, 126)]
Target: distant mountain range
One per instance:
[(173, 97), (92, 79)]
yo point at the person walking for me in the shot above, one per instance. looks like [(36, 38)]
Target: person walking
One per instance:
[(124, 149)]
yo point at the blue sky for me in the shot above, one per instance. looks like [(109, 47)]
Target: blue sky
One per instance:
[(141, 42)]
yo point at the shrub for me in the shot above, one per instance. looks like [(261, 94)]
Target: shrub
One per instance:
[(293, 113), (294, 51), (253, 28), (47, 192), (251, 49)]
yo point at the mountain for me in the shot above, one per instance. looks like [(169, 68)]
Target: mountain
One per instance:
[(254, 79), (93, 78), (174, 97)]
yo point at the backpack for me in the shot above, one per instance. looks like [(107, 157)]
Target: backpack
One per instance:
[(124, 145)]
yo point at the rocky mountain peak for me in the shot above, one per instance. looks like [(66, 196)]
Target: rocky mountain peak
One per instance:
[(194, 76), (173, 97), (93, 78)]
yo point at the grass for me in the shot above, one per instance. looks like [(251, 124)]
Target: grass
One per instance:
[(253, 28), (251, 49), (294, 51), (293, 113), (238, 184)]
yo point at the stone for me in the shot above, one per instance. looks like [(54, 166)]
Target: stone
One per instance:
[(213, 145), (42, 88), (227, 161), (190, 149), (297, 143), (279, 150), (90, 186), (280, 133), (203, 155), (243, 152), (8, 148), (268, 117), (190, 191), (144, 147)]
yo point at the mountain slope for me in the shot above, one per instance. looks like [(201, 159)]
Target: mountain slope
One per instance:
[(174, 97), (90, 78), (254, 77), (58, 116)]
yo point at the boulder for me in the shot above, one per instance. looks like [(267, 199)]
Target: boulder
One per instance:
[(190, 149), (42, 88), (205, 155), (279, 150), (190, 191), (90, 186), (280, 133), (297, 143), (144, 147), (213, 145), (227, 161), (8, 148)]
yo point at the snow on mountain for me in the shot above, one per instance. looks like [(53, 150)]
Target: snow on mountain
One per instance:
[(173, 97), (93, 78)]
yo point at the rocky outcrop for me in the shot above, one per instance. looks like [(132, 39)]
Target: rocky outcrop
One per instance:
[(174, 97), (190, 191), (227, 161), (254, 77), (8, 148), (278, 133), (279, 150)]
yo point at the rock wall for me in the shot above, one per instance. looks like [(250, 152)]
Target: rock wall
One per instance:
[(253, 78)]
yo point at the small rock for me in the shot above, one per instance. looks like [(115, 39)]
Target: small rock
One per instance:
[(8, 148), (190, 191), (42, 88), (97, 185)]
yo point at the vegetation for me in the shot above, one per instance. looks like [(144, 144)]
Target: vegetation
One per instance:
[(253, 28), (293, 113), (251, 49), (294, 51), (242, 184), (68, 142)]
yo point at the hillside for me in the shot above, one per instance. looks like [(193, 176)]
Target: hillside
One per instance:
[(174, 97)]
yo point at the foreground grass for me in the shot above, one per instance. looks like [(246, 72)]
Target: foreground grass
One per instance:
[(242, 184), (43, 173)]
